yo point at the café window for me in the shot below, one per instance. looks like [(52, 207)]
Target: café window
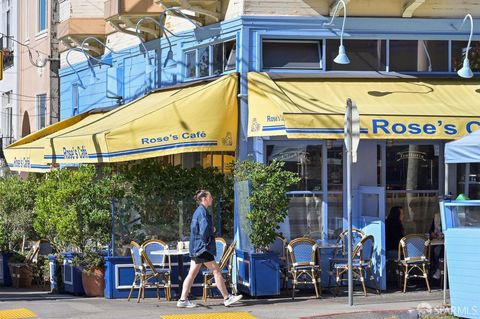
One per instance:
[(305, 160), (459, 49), (282, 54), (418, 56), (210, 60), (364, 55), (412, 167)]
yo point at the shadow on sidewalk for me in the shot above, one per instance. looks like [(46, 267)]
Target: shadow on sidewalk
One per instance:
[(30, 294)]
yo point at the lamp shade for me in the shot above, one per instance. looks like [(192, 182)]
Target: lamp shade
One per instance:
[(342, 57), (465, 71), (169, 61)]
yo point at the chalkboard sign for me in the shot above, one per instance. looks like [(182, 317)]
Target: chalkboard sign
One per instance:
[(242, 200)]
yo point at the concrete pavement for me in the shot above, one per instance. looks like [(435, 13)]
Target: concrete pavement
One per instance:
[(386, 305)]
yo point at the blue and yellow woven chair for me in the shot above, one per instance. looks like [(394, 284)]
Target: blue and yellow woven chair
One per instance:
[(413, 254), (304, 268)]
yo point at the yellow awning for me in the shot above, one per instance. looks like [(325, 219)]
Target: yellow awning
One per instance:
[(196, 118), (389, 108), (27, 154)]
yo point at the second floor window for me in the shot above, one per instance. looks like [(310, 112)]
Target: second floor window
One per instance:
[(42, 15), (282, 54), (41, 111), (210, 60)]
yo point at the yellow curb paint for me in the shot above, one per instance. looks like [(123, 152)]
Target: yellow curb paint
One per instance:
[(19, 313), (217, 315)]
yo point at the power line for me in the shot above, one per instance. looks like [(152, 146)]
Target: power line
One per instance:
[(30, 56)]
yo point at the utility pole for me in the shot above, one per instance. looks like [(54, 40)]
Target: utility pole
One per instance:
[(54, 64)]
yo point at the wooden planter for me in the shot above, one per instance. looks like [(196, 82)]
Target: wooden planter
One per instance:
[(94, 282)]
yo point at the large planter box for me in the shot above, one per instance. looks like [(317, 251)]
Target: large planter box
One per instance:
[(258, 274), (5, 278), (461, 226), (119, 274), (72, 275)]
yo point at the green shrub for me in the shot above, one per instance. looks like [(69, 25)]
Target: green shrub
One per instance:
[(268, 198)]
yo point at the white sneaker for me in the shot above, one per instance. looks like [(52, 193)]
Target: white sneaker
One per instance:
[(232, 299), (185, 304), (437, 274)]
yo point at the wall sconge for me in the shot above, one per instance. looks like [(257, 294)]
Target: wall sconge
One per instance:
[(342, 57), (465, 71), (89, 57), (169, 61), (80, 83)]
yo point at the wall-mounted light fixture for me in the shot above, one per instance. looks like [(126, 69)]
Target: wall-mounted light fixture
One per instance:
[(342, 57), (79, 80), (90, 57), (465, 71)]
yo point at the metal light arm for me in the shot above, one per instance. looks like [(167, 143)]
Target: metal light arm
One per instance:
[(82, 46), (337, 7), (469, 16), (428, 56), (157, 23), (71, 66)]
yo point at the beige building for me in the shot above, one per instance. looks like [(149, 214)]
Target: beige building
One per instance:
[(34, 67)]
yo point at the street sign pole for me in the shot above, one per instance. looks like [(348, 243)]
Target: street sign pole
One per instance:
[(352, 139)]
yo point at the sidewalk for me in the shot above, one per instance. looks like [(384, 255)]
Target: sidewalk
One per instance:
[(304, 306)]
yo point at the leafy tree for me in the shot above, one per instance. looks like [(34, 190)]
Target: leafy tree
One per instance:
[(73, 207), (17, 198), (268, 199)]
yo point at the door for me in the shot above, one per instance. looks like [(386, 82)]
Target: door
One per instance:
[(369, 216)]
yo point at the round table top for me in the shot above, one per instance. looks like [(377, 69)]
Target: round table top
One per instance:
[(170, 252), (328, 244)]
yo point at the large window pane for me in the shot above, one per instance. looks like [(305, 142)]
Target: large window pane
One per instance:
[(203, 62), (305, 160), (458, 55), (217, 59), (364, 55), (230, 55), (335, 214), (291, 54), (438, 51), (412, 167), (419, 209), (190, 58), (468, 180), (335, 168), (403, 56)]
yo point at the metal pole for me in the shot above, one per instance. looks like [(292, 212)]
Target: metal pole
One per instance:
[(113, 227), (349, 204), (445, 246)]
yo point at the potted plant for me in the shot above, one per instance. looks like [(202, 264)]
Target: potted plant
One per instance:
[(93, 272), (268, 206)]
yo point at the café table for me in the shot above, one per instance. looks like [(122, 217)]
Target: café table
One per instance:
[(180, 253)]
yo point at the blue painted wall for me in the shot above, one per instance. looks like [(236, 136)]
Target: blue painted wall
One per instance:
[(462, 246), (128, 77)]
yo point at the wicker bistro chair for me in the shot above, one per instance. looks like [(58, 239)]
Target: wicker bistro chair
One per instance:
[(361, 263), (304, 268), (221, 245), (413, 253), (140, 273), (279, 248), (225, 266), (341, 254), (158, 263)]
